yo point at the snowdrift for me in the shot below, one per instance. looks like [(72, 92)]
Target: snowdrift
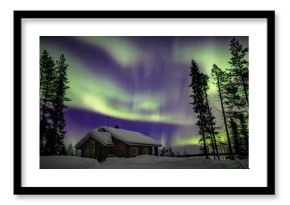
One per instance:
[(139, 162)]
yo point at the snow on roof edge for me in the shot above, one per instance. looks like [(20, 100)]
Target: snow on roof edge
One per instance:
[(131, 137), (88, 135), (126, 136)]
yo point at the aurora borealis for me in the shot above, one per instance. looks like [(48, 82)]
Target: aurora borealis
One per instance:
[(139, 83)]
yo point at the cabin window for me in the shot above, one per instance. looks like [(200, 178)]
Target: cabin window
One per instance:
[(134, 151), (145, 150)]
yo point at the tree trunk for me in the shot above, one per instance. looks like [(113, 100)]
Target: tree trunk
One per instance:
[(244, 85), (212, 130), (203, 138), (225, 120)]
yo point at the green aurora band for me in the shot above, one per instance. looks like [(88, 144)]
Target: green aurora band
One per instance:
[(98, 93)]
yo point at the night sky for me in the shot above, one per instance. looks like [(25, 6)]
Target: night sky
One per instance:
[(139, 83)]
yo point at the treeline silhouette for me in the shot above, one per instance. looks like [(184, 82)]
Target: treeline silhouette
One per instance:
[(232, 86), (53, 86)]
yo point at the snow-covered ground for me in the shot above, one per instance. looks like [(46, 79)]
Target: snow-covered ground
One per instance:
[(139, 162)]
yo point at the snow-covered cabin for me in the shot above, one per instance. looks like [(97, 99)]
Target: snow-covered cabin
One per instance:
[(108, 141)]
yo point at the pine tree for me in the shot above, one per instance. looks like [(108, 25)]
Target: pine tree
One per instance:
[(205, 119), (59, 99), (236, 96), (210, 119), (198, 102), (239, 66), (236, 138), (244, 135), (53, 86), (47, 74), (219, 78), (233, 109)]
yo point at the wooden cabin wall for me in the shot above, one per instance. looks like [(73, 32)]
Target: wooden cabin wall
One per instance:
[(94, 149), (89, 149), (124, 150), (121, 149), (139, 150)]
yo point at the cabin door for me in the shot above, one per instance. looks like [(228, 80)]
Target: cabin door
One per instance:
[(92, 149)]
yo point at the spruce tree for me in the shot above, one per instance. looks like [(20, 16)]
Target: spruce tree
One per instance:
[(53, 86), (219, 77), (236, 138), (59, 99), (47, 74), (233, 108), (205, 119), (244, 135), (239, 66), (236, 96), (210, 119), (198, 102)]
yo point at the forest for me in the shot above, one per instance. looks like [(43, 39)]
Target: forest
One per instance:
[(53, 86), (232, 90)]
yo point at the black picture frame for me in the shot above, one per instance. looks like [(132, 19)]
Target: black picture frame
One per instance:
[(269, 189)]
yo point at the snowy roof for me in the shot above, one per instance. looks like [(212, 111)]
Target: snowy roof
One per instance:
[(129, 137), (102, 137)]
